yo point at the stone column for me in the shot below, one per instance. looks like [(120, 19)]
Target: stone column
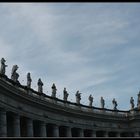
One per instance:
[(118, 134), (3, 124), (81, 133), (43, 129), (55, 131), (68, 132), (16, 125), (106, 134), (29, 127), (93, 133), (136, 134)]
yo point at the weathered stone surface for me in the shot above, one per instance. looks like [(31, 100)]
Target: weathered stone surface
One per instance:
[(33, 109)]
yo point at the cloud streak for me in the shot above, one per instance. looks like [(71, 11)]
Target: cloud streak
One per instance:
[(86, 47)]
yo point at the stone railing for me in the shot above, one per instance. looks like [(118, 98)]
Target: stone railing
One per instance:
[(68, 104), (77, 106)]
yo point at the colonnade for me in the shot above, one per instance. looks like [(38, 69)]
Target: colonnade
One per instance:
[(14, 125)]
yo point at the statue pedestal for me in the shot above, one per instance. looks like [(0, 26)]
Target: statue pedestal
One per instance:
[(29, 92), (138, 108), (102, 111), (132, 111), (78, 107), (66, 104), (2, 76), (54, 100), (115, 113), (90, 109)]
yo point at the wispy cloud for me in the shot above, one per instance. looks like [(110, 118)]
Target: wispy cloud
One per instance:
[(93, 48)]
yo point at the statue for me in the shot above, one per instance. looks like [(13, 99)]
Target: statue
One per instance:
[(132, 103), (65, 93), (3, 66), (14, 74), (115, 104), (78, 97), (29, 80), (138, 103), (102, 102), (54, 90), (40, 86), (90, 100)]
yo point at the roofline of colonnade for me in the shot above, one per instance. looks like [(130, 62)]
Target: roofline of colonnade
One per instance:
[(60, 100)]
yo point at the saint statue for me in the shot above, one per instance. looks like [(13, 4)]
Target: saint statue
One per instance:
[(40, 86), (14, 74), (65, 93), (78, 97), (102, 102), (90, 100), (115, 104), (29, 80), (138, 102), (3, 66), (132, 103), (54, 90)]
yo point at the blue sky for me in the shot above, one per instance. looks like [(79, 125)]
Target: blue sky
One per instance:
[(90, 47)]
